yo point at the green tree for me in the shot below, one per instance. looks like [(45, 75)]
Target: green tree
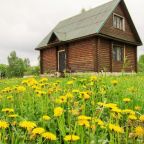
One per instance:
[(3, 70), (17, 66), (141, 64)]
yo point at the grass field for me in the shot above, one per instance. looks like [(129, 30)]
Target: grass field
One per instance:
[(78, 109)]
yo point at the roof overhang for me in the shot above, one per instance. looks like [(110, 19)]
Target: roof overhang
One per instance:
[(93, 35)]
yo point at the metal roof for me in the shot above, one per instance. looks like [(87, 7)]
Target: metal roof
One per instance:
[(84, 24)]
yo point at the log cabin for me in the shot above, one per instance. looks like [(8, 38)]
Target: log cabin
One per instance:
[(101, 39)]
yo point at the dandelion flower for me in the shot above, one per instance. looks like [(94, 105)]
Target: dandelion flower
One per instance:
[(27, 125), (141, 118), (13, 116), (38, 131), (126, 100), (85, 95), (128, 111), (116, 128), (8, 110), (46, 118), (58, 111), (139, 131), (83, 117), (114, 82), (84, 123), (74, 112), (3, 124), (137, 108), (49, 136), (132, 117), (70, 82), (93, 78), (71, 138)]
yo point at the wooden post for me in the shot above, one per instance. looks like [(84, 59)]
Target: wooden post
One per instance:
[(67, 57), (95, 54), (56, 58), (136, 64), (98, 53), (41, 65), (111, 57)]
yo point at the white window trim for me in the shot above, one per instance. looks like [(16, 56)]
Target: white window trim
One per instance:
[(123, 21), (58, 56)]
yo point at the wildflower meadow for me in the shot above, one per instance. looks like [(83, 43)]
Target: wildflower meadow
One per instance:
[(72, 110)]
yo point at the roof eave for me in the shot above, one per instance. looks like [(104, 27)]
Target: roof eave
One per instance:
[(92, 35), (51, 45), (120, 40)]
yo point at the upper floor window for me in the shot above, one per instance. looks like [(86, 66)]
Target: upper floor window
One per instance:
[(117, 52), (118, 22)]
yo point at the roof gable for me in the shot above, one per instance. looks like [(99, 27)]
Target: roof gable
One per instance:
[(129, 34), (53, 38)]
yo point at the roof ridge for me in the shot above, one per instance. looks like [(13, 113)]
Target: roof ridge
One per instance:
[(87, 11)]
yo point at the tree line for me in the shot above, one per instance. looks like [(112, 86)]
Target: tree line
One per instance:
[(17, 67)]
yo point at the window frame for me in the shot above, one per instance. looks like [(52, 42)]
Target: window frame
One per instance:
[(122, 47), (123, 21)]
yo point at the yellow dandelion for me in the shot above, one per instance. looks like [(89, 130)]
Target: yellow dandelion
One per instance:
[(84, 123), (85, 95), (13, 116), (84, 117), (38, 131), (132, 117), (62, 99), (49, 136), (74, 112), (93, 78), (75, 91), (116, 128), (46, 117), (99, 122), (116, 110), (58, 111), (126, 100), (139, 131), (128, 111), (137, 108), (141, 118), (3, 124), (111, 105), (20, 89), (14, 123), (114, 82), (70, 82), (8, 110), (71, 138), (27, 125), (10, 97)]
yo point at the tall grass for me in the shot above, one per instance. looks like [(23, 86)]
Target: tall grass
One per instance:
[(86, 110)]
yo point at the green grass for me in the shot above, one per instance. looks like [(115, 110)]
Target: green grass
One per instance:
[(87, 109)]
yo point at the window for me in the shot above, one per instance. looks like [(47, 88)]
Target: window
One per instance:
[(117, 53), (118, 22)]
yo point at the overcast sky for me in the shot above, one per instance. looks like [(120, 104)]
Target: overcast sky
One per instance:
[(24, 23)]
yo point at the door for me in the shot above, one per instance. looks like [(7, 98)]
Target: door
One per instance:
[(61, 60)]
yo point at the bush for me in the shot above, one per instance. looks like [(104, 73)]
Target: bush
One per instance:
[(3, 70), (141, 64), (33, 70)]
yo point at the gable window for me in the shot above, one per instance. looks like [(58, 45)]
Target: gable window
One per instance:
[(117, 52), (118, 22)]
